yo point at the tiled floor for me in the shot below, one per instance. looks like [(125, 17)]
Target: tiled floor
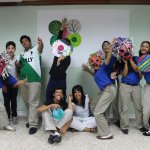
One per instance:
[(21, 140)]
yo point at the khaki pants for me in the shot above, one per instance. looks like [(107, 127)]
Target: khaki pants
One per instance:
[(3, 116), (31, 95), (130, 93), (106, 97), (146, 106), (115, 104), (51, 124)]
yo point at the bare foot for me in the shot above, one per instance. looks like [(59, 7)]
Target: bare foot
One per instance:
[(92, 130), (63, 130)]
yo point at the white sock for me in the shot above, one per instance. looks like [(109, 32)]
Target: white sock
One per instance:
[(56, 133)]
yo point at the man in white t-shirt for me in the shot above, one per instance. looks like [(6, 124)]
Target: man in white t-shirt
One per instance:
[(30, 68)]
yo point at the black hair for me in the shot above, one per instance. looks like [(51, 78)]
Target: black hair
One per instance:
[(104, 43), (25, 37), (58, 88), (78, 88), (10, 43), (140, 54)]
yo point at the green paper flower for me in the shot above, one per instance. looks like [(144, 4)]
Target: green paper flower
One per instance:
[(53, 39), (54, 27), (75, 39)]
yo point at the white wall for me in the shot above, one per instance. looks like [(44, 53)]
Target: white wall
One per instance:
[(18, 20)]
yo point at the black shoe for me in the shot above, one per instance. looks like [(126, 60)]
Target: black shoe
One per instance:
[(125, 131), (147, 133), (50, 139), (57, 139), (143, 129), (27, 125), (32, 130), (117, 123)]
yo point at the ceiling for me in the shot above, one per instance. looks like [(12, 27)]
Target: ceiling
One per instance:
[(71, 2)]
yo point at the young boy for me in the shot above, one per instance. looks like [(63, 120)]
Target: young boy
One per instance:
[(51, 124), (107, 92), (10, 93), (30, 68)]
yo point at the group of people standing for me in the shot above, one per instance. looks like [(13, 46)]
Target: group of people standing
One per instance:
[(25, 72), (129, 90), (80, 112)]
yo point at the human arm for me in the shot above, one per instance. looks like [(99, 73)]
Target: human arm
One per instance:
[(135, 67), (40, 45), (60, 59), (4, 88), (60, 70), (70, 106), (63, 26), (107, 60), (86, 68), (125, 69), (44, 108)]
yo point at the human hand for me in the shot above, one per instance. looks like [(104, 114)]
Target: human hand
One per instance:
[(55, 106), (113, 75), (39, 41), (17, 63), (4, 89), (61, 58), (85, 67), (64, 22), (70, 98)]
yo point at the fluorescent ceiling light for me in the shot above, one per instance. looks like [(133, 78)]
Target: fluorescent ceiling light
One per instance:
[(10, 1)]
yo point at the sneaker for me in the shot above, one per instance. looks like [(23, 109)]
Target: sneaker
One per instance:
[(50, 139), (143, 129), (125, 131), (108, 137), (27, 125), (9, 128), (147, 133), (15, 120), (57, 138), (32, 130)]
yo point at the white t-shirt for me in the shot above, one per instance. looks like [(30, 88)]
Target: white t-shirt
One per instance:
[(81, 112)]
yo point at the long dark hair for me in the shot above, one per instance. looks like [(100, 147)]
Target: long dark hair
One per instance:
[(140, 54), (80, 89)]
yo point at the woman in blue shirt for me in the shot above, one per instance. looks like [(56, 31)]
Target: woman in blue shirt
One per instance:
[(130, 90), (145, 49)]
